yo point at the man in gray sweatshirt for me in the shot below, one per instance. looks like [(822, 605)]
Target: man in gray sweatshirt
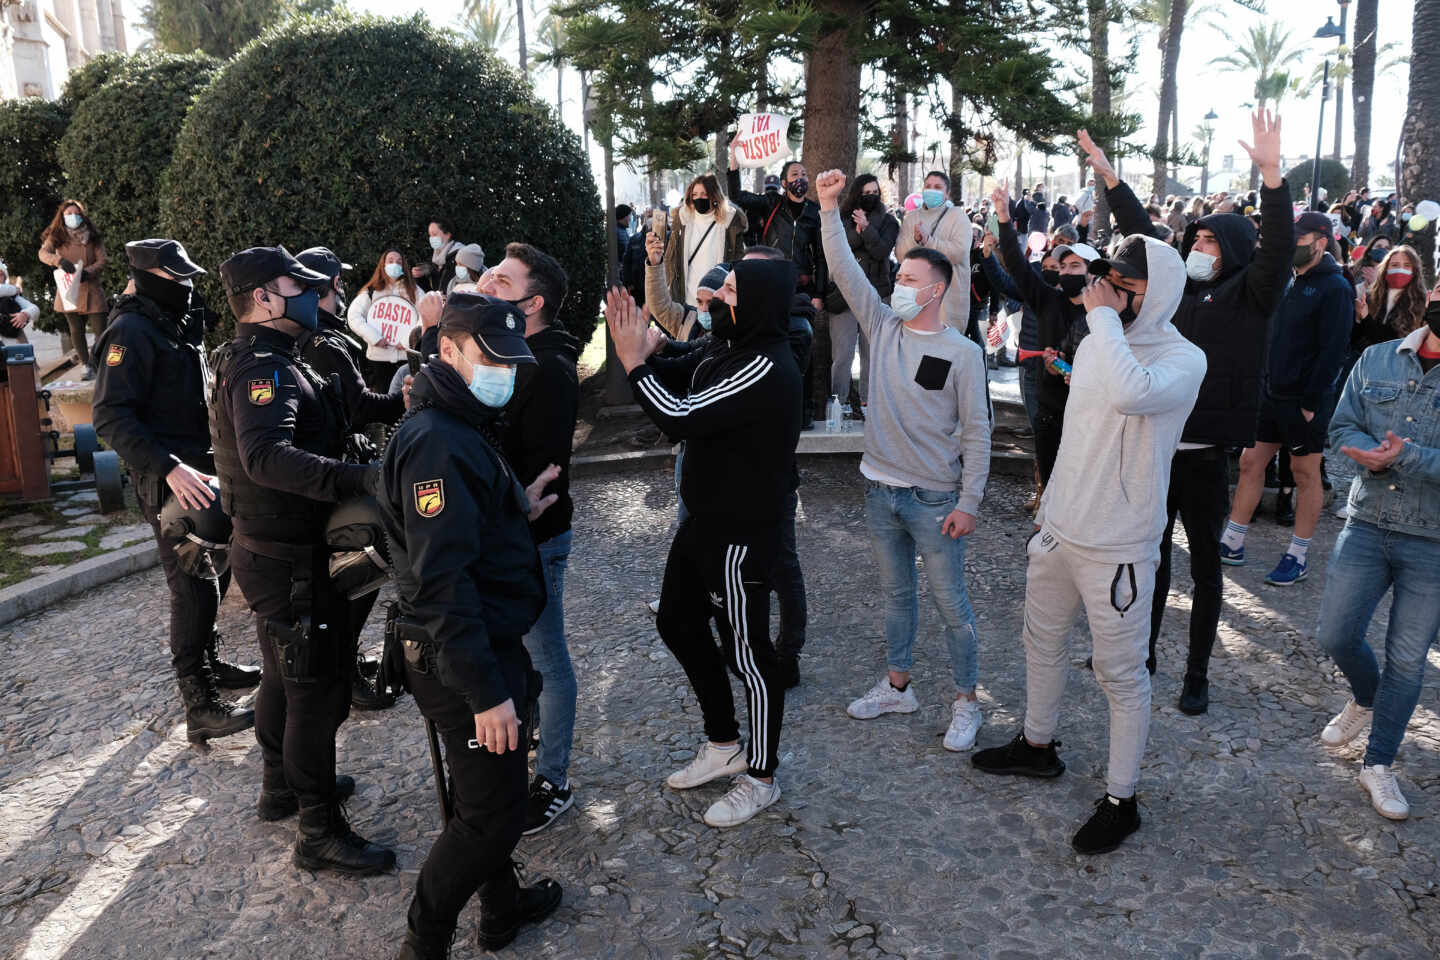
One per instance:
[(927, 456), (1135, 381)]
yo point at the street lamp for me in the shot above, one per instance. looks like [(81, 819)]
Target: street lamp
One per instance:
[(1324, 33), (1340, 80), (1210, 118)]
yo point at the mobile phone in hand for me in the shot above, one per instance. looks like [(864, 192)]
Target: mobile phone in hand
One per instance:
[(992, 224), (413, 358)]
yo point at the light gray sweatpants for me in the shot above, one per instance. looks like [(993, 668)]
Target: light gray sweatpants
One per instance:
[(845, 336), (1116, 598)]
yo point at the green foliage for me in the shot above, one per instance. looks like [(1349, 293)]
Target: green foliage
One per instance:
[(1334, 178), (91, 77), (30, 185), (118, 146), (355, 133), (219, 27)]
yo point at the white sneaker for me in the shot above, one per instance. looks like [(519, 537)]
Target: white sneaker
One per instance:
[(965, 722), (710, 763), (746, 798), (883, 698), (654, 607), (1346, 725), (1385, 795)]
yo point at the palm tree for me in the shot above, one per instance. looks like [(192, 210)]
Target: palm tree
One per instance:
[(551, 35), (520, 31), (1419, 173), (488, 24), (1264, 51), (1098, 20), (1363, 88)]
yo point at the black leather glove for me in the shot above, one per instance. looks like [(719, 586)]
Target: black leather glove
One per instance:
[(67, 265)]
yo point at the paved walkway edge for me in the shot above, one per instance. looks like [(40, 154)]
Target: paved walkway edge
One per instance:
[(37, 593)]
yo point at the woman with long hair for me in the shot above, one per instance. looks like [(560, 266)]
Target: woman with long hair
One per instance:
[(1392, 307), (385, 343), (871, 232), (706, 230), (75, 248)]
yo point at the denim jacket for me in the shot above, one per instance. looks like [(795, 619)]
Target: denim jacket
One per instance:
[(1389, 391)]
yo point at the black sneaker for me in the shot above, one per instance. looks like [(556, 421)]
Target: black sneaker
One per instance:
[(1194, 695), (1018, 757), (547, 802), (1112, 822)]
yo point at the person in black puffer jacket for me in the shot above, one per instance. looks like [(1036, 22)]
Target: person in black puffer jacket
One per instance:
[(740, 419), (871, 232)]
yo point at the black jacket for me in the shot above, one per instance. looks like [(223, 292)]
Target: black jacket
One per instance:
[(331, 352), (466, 567), (1059, 323), (434, 279), (790, 228), (1228, 317), (632, 265), (872, 249), (739, 413), (1311, 337), (279, 432), (540, 423), (149, 402)]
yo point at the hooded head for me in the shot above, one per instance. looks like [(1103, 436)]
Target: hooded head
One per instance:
[(1228, 236), (756, 297), (1156, 293)]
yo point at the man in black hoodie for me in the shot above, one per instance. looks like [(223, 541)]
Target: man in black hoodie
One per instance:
[(738, 412), (540, 428), (470, 585), (1231, 293)]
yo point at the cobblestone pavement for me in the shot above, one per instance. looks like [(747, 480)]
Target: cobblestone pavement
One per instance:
[(119, 840)]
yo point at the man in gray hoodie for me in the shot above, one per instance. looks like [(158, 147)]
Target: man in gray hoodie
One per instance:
[(1100, 521)]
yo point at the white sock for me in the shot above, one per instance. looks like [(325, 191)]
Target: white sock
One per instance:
[(1298, 548), (1234, 535)]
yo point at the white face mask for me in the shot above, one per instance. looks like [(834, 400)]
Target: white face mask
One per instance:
[(903, 302), (394, 270), (73, 220), (461, 272), (436, 243), (1200, 266)]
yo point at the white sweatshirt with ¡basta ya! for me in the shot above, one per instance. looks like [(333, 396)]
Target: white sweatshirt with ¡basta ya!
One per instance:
[(1131, 392)]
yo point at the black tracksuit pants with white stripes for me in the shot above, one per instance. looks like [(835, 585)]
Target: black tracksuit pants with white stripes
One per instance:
[(710, 575)]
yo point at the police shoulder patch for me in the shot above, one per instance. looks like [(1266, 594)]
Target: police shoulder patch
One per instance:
[(262, 391), (115, 355), (430, 497)]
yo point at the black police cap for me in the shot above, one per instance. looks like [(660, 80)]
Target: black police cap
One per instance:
[(258, 266), (322, 260), (168, 255), (1129, 260), (497, 325)]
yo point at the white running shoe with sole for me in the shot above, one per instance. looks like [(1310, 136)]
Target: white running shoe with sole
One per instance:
[(746, 798), (883, 698), (710, 763), (1346, 725), (1385, 796), (965, 722)]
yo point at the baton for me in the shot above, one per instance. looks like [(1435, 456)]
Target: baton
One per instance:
[(442, 793)]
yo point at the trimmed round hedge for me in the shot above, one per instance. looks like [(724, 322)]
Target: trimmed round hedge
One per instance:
[(1334, 179), (85, 80), (30, 185), (118, 146), (356, 132)]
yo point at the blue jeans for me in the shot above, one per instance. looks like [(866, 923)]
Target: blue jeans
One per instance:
[(681, 512), (1368, 561), (903, 520), (550, 655), (1030, 389)]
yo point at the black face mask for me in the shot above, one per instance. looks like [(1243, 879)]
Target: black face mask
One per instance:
[(1072, 284), (169, 295), (722, 319), (702, 205), (1128, 315), (797, 189), (1432, 317), (1051, 277), (870, 202)]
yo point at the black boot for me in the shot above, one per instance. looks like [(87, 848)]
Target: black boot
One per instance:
[(505, 907), (229, 676), (326, 842), (277, 801), (1285, 508), (1194, 694), (417, 948), (206, 715)]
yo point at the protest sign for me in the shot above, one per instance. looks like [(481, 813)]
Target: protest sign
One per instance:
[(761, 139), (394, 317), (68, 286)]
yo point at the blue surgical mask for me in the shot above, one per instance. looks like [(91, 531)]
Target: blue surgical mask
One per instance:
[(73, 221), (932, 198), (303, 308), (461, 273), (436, 243), (394, 271), (492, 386), (703, 318)]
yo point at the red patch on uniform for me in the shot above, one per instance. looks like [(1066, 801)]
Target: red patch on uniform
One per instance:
[(430, 498), (261, 392), (115, 355)]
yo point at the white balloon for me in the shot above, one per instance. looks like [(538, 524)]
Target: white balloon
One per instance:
[(1428, 209)]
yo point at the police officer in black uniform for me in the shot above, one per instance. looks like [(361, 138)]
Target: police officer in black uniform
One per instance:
[(332, 352), (279, 429), (469, 583), (149, 406)]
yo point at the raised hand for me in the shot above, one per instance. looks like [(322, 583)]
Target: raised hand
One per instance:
[(1097, 159), (627, 327), (828, 187), (1000, 201), (1265, 131), (654, 248)]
